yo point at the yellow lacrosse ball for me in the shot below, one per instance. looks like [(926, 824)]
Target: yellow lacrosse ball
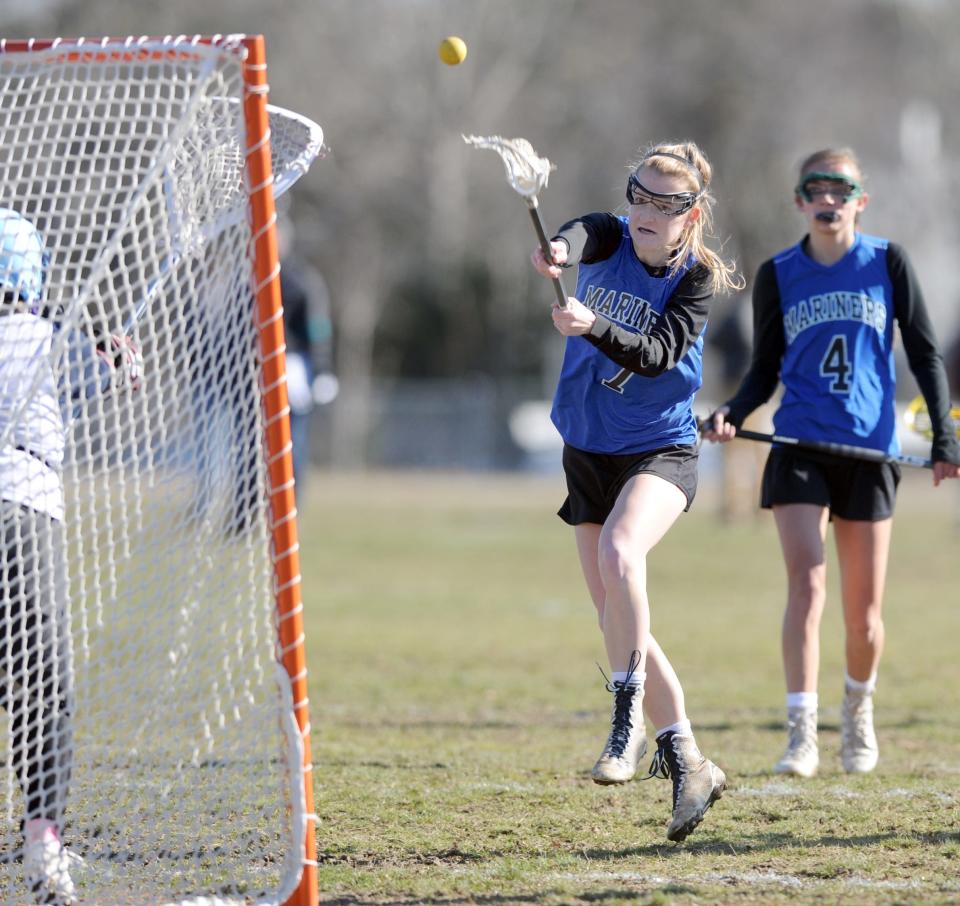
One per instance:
[(452, 50)]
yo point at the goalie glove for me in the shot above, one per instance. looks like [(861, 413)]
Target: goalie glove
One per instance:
[(124, 361)]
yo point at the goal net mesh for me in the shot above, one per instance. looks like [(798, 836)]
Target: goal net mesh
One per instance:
[(143, 707)]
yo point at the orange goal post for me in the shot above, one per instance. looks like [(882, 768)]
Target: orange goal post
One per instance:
[(171, 651)]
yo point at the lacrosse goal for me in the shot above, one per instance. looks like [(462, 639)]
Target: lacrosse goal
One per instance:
[(171, 584)]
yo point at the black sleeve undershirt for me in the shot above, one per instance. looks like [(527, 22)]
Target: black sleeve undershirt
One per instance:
[(595, 237), (916, 331), (769, 345), (923, 355)]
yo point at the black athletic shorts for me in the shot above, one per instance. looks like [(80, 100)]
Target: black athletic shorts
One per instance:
[(594, 480), (851, 488)]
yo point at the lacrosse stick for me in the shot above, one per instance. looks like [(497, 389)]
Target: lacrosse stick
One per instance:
[(917, 418), (846, 450), (527, 174)]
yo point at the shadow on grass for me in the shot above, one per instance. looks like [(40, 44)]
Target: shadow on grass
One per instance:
[(457, 856), (453, 856), (578, 718), (593, 896), (759, 842), (426, 723), (388, 765), (772, 841), (720, 726), (429, 901), (910, 722)]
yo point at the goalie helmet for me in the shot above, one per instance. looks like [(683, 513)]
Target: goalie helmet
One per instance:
[(23, 258)]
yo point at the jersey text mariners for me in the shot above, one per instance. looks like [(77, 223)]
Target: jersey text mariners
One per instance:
[(628, 386), (828, 333), (838, 367)]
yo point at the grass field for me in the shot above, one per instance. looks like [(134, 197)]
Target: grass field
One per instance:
[(457, 708)]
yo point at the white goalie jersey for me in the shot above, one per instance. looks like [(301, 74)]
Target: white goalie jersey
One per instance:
[(30, 416)]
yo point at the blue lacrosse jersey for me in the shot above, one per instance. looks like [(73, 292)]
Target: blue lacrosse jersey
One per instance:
[(601, 407), (838, 369)]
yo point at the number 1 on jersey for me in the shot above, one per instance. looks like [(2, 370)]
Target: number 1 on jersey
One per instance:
[(836, 365)]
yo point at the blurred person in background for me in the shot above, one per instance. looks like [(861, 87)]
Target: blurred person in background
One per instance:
[(623, 407), (225, 433), (823, 313), (741, 464), (308, 331)]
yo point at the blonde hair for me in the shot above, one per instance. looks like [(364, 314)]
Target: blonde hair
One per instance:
[(724, 277)]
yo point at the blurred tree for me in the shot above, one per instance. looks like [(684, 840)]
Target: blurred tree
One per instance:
[(424, 245)]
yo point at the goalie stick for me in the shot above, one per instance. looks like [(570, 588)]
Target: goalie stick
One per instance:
[(527, 174)]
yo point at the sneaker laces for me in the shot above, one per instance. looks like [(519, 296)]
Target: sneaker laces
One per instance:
[(624, 694), (666, 766), (632, 666), (801, 737), (660, 766), (622, 723), (857, 720)]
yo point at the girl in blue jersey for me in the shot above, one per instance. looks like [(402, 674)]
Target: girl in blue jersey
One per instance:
[(624, 409), (823, 326)]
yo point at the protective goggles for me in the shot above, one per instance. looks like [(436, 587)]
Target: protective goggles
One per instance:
[(671, 205), (815, 185)]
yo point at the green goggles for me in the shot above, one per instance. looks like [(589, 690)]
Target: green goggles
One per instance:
[(817, 184)]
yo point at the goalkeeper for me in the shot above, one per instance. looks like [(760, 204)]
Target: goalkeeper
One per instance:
[(37, 390)]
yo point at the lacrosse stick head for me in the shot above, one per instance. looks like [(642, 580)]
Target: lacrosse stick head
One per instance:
[(527, 172)]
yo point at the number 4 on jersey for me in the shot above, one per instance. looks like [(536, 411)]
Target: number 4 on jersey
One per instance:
[(836, 365)]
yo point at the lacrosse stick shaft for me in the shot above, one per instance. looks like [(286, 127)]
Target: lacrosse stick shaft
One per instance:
[(558, 286), (846, 450)]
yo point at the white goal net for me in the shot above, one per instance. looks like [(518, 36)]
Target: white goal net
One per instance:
[(152, 738)]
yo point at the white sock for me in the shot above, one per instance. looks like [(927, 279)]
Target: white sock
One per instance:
[(680, 728), (620, 676), (805, 701), (867, 686)]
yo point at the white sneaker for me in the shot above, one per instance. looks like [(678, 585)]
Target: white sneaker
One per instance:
[(627, 742), (697, 782), (46, 869), (858, 742), (802, 757)]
